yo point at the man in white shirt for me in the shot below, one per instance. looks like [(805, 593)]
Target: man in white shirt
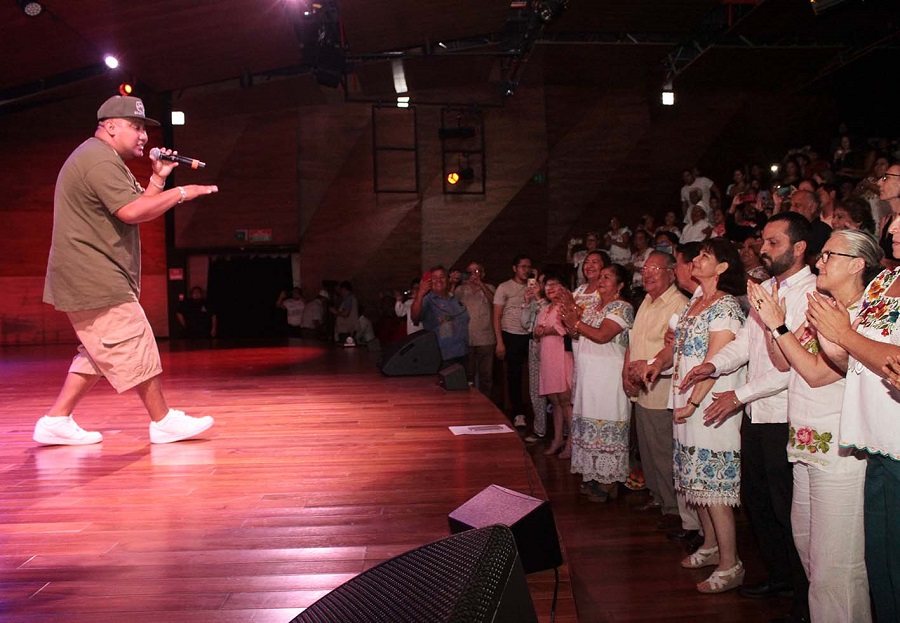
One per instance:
[(766, 474), (704, 185), (293, 305), (699, 229), (404, 303)]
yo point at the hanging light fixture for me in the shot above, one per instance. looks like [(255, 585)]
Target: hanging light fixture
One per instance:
[(31, 8), (668, 94), (548, 11)]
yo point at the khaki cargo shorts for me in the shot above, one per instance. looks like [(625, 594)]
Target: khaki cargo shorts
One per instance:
[(117, 343)]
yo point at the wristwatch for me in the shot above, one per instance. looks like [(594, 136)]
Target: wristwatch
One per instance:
[(778, 331)]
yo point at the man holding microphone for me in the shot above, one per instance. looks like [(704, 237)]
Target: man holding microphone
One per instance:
[(93, 273)]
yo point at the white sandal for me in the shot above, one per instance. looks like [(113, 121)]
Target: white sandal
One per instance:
[(721, 581), (702, 558)]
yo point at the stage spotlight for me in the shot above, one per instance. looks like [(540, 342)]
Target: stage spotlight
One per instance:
[(125, 89), (31, 8), (111, 61), (463, 173), (668, 95), (549, 11)]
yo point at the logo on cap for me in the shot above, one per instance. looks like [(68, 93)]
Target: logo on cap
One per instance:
[(139, 108)]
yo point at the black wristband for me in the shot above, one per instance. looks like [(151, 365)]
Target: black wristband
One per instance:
[(778, 331)]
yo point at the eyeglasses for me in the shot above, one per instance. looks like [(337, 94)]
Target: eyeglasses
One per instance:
[(654, 269), (825, 255), (884, 177)]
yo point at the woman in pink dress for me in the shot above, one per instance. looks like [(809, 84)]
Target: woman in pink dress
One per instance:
[(556, 362)]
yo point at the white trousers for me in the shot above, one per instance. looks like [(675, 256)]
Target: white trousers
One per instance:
[(827, 523)]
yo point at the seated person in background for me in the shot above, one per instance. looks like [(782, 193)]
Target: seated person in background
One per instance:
[(744, 219), (753, 265), (718, 223), (642, 251), (699, 228), (807, 203), (618, 241), (665, 241), (670, 223), (853, 213), (648, 224), (576, 258), (293, 305), (196, 316), (365, 332), (693, 181)]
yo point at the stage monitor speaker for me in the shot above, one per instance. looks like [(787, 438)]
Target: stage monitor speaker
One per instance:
[(417, 354), (530, 519), (472, 577), (454, 377)]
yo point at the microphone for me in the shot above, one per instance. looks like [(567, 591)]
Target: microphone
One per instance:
[(194, 164)]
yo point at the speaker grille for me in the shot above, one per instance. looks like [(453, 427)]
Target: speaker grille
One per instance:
[(459, 579)]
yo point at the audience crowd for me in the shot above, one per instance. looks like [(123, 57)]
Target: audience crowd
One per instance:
[(751, 339)]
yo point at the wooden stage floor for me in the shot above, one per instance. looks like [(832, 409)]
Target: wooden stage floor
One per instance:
[(318, 468)]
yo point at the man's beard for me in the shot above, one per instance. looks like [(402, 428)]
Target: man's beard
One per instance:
[(778, 265)]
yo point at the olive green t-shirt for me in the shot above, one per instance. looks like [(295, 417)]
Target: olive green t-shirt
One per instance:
[(95, 259)]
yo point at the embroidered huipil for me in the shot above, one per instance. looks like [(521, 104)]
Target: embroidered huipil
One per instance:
[(870, 416), (707, 459), (815, 414)]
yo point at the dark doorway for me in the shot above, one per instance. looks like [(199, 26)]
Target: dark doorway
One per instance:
[(243, 291)]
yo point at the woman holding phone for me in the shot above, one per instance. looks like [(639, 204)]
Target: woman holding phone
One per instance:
[(556, 362)]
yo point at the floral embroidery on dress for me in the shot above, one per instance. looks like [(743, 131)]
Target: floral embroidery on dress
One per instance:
[(810, 440), (809, 340), (600, 449), (708, 476), (585, 300), (879, 311), (692, 332), (595, 315)]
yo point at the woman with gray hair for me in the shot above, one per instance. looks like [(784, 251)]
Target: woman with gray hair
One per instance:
[(827, 507)]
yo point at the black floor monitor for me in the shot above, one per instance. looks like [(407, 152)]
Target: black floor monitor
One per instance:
[(470, 577)]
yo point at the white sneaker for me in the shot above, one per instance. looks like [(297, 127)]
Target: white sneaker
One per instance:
[(177, 426), (520, 422), (63, 431)]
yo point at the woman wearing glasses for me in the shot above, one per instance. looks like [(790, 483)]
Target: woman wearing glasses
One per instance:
[(827, 503), (870, 416)]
